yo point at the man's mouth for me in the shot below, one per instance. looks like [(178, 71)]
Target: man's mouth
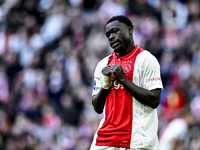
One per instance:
[(114, 44)]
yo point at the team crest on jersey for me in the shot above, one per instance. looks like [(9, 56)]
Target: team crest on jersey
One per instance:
[(126, 68), (94, 85)]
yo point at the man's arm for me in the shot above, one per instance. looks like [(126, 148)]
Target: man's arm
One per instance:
[(150, 98), (98, 100)]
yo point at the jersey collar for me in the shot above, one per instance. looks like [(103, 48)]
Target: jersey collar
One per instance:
[(127, 56)]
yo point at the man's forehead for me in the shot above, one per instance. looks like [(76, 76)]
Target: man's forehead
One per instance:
[(113, 24)]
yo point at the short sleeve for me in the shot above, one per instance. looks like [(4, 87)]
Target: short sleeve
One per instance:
[(98, 76), (151, 73)]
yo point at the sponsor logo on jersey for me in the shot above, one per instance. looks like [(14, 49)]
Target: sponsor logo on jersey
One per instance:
[(153, 79)]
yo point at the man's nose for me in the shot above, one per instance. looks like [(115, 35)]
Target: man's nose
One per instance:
[(111, 37)]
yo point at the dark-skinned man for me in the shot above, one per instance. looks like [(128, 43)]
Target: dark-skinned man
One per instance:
[(127, 89)]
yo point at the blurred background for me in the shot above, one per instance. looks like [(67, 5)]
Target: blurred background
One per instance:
[(49, 50)]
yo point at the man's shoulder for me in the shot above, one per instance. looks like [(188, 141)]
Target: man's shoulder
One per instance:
[(146, 54), (102, 63), (145, 58), (104, 60)]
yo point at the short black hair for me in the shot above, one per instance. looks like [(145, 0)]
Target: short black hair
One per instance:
[(121, 18)]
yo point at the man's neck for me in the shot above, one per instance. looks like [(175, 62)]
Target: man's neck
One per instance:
[(127, 51)]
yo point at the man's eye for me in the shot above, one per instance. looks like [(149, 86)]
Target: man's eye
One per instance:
[(115, 30), (107, 35)]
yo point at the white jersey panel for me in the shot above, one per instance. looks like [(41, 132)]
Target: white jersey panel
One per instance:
[(147, 75), (151, 77)]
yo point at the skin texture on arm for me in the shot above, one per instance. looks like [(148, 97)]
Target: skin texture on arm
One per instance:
[(98, 100), (150, 98)]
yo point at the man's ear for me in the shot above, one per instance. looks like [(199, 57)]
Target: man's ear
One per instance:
[(130, 31)]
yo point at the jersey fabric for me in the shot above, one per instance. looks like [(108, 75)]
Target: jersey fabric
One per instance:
[(95, 147), (176, 129), (128, 123)]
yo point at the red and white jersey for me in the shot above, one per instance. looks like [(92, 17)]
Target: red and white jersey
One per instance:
[(126, 122)]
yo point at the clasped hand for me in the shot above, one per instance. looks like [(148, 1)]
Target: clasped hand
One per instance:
[(114, 71)]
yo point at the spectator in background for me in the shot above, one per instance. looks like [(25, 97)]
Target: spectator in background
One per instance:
[(175, 131)]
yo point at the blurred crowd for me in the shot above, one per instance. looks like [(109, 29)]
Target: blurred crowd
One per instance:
[(49, 50)]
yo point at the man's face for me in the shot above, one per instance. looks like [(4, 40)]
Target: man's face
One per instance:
[(118, 35)]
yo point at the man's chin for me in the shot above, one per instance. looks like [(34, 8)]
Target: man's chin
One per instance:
[(117, 50)]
